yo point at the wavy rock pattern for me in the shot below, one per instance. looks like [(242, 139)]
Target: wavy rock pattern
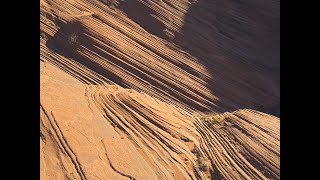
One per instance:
[(244, 144), (125, 84)]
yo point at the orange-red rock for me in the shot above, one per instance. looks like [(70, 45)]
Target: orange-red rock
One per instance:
[(159, 89)]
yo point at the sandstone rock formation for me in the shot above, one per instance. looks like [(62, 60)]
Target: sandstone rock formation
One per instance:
[(159, 89)]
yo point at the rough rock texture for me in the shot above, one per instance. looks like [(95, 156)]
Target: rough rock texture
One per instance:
[(159, 89)]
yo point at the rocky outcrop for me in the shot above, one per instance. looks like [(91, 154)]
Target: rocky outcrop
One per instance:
[(125, 86)]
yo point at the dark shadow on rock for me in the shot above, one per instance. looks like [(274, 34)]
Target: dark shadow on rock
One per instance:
[(238, 41), (143, 15)]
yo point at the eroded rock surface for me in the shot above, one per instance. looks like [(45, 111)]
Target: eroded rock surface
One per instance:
[(125, 86)]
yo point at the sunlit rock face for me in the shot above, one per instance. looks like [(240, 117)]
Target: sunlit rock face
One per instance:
[(159, 89)]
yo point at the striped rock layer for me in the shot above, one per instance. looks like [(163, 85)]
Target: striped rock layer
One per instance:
[(159, 89)]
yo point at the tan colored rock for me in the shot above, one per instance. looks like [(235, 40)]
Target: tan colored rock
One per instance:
[(165, 89)]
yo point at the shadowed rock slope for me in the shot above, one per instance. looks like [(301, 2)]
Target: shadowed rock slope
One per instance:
[(159, 89)]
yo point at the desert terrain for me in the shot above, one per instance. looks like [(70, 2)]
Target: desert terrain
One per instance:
[(159, 89)]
